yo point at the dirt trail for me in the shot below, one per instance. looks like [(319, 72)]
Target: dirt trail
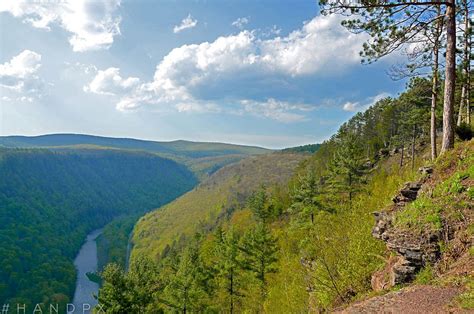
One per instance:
[(416, 299)]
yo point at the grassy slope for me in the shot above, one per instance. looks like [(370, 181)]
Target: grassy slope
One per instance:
[(446, 203), (201, 207)]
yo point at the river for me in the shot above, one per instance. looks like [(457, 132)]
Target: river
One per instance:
[(86, 261)]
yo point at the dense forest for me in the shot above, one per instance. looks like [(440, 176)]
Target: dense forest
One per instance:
[(51, 200), (306, 246)]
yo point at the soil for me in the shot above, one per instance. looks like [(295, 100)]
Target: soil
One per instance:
[(415, 299)]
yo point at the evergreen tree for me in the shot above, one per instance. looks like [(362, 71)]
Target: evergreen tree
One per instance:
[(185, 290), (259, 254), (259, 204), (347, 166), (306, 196), (227, 264)]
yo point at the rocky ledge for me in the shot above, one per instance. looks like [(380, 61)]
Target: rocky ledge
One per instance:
[(412, 251)]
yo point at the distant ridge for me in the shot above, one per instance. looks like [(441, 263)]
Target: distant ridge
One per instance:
[(203, 158), (182, 146)]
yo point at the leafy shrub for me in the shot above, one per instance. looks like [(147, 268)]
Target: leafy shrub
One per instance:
[(464, 131)]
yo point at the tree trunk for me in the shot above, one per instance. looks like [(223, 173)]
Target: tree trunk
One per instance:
[(450, 77), (461, 103), (465, 63), (413, 148), (231, 291), (467, 55), (401, 157), (434, 89)]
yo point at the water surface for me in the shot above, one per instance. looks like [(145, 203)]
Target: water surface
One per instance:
[(86, 261)]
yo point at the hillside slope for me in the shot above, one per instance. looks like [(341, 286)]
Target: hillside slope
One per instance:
[(201, 157), (219, 195), (49, 201), (430, 239)]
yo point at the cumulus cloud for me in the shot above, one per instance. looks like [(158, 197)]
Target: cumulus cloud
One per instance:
[(350, 106), (187, 22), (92, 24), (240, 22), (109, 82), (277, 110), (19, 75), (191, 77), (361, 106)]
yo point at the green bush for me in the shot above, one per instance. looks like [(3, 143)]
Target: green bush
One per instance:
[(464, 131)]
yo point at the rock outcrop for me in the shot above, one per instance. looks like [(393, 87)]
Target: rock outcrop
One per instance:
[(412, 251)]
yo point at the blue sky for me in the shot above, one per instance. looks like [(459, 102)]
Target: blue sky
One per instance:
[(268, 73)]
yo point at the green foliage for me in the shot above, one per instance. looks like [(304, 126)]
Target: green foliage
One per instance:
[(464, 131), (425, 276), (309, 148), (131, 292), (217, 198), (46, 195), (346, 168), (466, 299), (422, 214), (227, 267), (186, 289), (113, 243), (306, 197), (259, 248)]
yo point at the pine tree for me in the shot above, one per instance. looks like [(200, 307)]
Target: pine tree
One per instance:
[(392, 24), (306, 196), (227, 264), (259, 204), (185, 290), (347, 166), (259, 254)]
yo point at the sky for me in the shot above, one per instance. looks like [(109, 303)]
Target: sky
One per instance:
[(271, 73)]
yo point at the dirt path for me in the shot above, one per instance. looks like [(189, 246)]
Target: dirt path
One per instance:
[(417, 299)]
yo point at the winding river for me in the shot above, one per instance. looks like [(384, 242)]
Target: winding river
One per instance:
[(86, 261)]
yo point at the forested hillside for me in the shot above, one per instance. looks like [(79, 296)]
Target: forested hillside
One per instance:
[(211, 202), (307, 247), (51, 200), (201, 157)]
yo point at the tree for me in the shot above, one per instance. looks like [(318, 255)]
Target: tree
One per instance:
[(131, 292), (259, 204), (392, 24), (259, 254), (306, 196), (425, 54), (347, 166), (227, 264), (465, 64), (185, 291)]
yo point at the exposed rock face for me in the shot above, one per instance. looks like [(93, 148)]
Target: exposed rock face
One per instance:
[(412, 250)]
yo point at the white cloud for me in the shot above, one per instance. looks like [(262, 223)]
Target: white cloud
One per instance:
[(19, 75), (109, 82), (92, 24), (322, 45), (187, 22), (240, 22), (277, 110), (350, 106), (361, 106)]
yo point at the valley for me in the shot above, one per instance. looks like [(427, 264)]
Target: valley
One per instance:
[(51, 198)]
